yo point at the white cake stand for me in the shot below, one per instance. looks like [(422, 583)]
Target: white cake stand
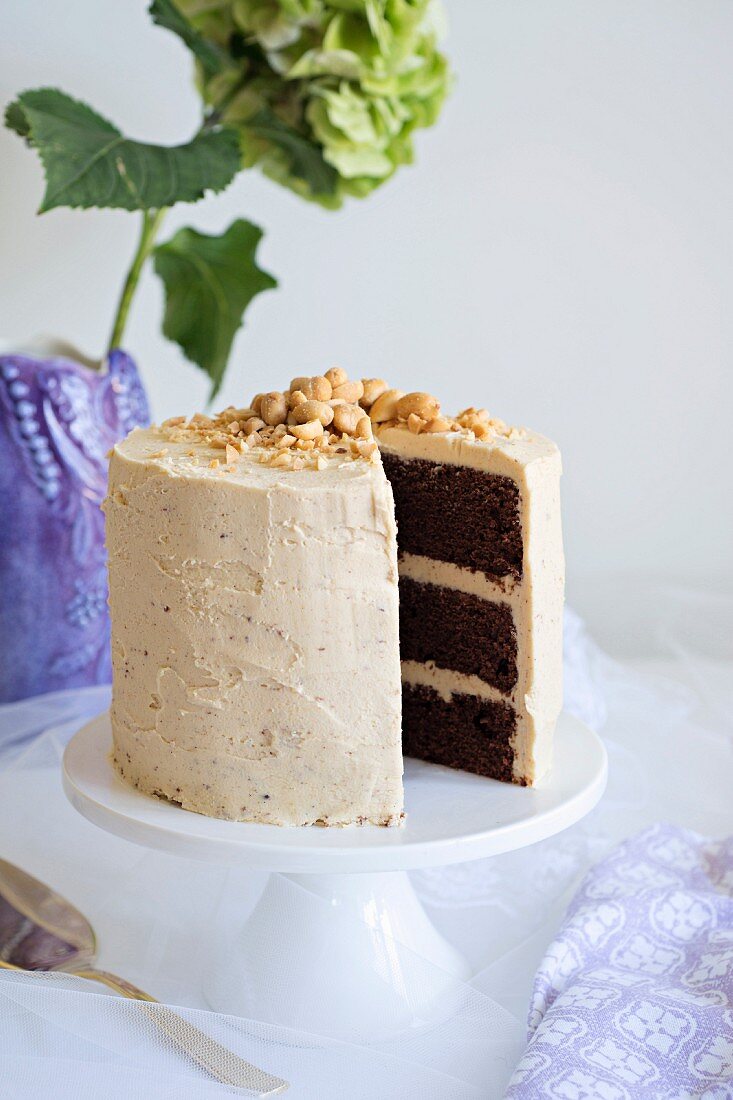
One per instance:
[(361, 872)]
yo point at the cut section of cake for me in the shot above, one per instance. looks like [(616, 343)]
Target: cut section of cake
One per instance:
[(481, 587), (254, 601)]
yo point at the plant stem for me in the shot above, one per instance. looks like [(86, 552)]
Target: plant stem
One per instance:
[(150, 225), (213, 118), (151, 222)]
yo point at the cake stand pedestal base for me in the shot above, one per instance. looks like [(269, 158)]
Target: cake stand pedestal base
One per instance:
[(276, 965), (339, 934)]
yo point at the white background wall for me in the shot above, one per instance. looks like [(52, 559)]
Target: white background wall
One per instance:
[(562, 253)]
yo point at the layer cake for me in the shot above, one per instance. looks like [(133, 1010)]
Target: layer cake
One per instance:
[(254, 599), (481, 593)]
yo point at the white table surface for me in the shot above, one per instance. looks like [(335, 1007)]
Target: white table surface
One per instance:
[(667, 727)]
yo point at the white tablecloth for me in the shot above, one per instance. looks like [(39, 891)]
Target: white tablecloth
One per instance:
[(667, 725)]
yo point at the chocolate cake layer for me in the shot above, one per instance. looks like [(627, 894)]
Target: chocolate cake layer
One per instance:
[(457, 514), (468, 733), (458, 631)]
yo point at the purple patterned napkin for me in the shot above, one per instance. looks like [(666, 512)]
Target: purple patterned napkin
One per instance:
[(634, 998)]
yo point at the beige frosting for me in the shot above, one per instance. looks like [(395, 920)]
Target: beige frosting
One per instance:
[(533, 463), (472, 582), (255, 633)]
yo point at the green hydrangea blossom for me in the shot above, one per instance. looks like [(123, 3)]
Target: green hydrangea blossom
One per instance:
[(326, 93)]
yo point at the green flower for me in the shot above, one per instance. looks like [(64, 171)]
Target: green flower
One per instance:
[(325, 93)]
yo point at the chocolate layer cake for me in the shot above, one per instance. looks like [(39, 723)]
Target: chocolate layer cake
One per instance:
[(481, 589), (254, 584)]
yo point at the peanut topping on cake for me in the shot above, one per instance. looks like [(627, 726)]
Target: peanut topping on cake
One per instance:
[(327, 414), (295, 429), (420, 412)]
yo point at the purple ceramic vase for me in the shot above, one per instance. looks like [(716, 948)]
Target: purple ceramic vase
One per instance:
[(58, 419)]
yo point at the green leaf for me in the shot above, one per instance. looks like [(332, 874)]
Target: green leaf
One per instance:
[(305, 156), (209, 282), (88, 162), (15, 119), (165, 14)]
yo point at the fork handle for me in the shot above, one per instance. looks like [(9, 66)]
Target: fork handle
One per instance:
[(222, 1064)]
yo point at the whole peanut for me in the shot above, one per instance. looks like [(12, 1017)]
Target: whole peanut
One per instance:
[(385, 407), (346, 417), (316, 388), (423, 405), (336, 376), (274, 408), (373, 388), (313, 410), (349, 391)]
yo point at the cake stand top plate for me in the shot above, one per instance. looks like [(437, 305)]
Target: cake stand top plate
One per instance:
[(452, 816)]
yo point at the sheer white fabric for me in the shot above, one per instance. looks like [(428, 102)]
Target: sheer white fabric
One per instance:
[(667, 725)]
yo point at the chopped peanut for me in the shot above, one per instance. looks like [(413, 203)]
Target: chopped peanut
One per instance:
[(309, 430), (363, 428), (439, 424), (253, 425)]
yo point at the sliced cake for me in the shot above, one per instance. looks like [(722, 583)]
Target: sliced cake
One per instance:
[(481, 586), (256, 639)]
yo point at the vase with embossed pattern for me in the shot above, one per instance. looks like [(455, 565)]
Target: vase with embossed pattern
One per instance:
[(59, 415)]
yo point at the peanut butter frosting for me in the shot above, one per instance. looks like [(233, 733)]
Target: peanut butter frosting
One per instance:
[(255, 629), (533, 463), (254, 599)]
